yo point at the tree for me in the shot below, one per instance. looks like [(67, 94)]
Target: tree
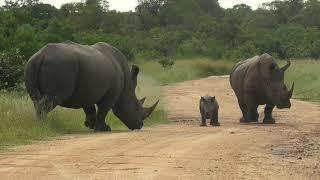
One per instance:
[(11, 69), (148, 12), (212, 7)]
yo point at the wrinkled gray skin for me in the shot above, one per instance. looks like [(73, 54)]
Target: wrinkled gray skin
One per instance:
[(258, 81), (209, 109), (79, 76)]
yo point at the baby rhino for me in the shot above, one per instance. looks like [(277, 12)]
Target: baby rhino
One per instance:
[(209, 108)]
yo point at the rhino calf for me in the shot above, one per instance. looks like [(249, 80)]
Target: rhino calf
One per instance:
[(209, 109)]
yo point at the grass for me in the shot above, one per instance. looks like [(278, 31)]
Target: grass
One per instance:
[(185, 69), (305, 74)]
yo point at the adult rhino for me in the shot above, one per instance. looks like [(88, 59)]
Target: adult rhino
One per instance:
[(258, 81), (80, 76)]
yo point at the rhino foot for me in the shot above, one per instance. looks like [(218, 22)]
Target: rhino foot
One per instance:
[(102, 128), (203, 124), (243, 120), (89, 124), (269, 121), (215, 124), (254, 120)]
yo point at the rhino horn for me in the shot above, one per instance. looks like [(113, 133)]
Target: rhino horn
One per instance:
[(285, 67), (291, 90), (149, 110), (142, 100)]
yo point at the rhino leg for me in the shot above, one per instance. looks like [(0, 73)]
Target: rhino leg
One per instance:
[(245, 113), (45, 105), (104, 106), (253, 115), (100, 124), (251, 111), (203, 120), (214, 119), (91, 116), (268, 119)]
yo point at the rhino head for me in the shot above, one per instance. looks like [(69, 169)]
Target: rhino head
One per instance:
[(129, 109), (273, 82)]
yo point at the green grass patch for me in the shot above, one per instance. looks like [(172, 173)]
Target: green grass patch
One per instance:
[(305, 74), (185, 69)]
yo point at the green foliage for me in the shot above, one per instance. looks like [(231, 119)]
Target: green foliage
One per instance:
[(25, 38), (166, 28), (11, 68), (166, 62)]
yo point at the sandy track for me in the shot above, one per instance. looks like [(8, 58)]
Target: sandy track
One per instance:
[(183, 150)]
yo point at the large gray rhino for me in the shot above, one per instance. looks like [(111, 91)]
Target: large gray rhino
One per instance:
[(258, 81), (80, 76)]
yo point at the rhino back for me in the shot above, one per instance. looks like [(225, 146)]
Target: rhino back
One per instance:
[(242, 74), (78, 75)]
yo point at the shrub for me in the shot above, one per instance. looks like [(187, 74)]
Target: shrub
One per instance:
[(11, 68), (166, 62)]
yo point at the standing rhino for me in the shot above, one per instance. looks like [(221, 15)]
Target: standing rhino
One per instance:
[(79, 76), (209, 109), (258, 81)]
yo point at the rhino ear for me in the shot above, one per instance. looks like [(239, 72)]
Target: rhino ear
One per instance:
[(134, 72), (134, 75), (202, 98), (213, 98)]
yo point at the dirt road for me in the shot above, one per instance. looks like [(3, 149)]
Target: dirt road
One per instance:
[(289, 149)]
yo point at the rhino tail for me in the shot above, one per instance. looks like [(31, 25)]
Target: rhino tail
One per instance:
[(31, 77), (42, 103)]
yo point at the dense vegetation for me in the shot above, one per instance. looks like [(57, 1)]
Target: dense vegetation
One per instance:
[(158, 29)]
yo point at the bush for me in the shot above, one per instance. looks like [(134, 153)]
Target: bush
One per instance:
[(11, 69), (192, 47), (166, 62)]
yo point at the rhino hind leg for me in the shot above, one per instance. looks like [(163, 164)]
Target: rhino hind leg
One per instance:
[(243, 108), (253, 115), (45, 105), (249, 113), (91, 116), (268, 119)]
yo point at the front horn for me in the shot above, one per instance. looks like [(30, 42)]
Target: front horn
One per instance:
[(285, 67), (148, 111), (142, 100), (291, 90)]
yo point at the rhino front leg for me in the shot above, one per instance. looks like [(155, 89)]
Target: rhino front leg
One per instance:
[(214, 119), (91, 116), (100, 124), (268, 119), (203, 120)]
